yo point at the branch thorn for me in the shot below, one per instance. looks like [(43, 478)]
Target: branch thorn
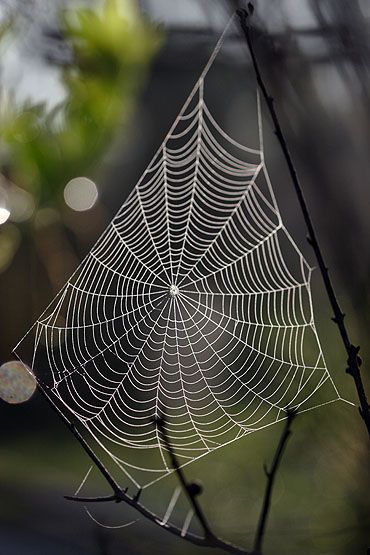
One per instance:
[(266, 470), (135, 499), (195, 488)]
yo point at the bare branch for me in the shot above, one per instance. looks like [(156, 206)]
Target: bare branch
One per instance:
[(102, 499), (121, 495), (354, 361), (191, 489), (113, 484), (271, 475)]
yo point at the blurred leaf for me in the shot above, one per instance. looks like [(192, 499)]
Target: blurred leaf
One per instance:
[(111, 49)]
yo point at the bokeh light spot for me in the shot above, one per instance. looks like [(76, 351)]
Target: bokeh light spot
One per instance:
[(17, 383), (80, 194), (4, 215)]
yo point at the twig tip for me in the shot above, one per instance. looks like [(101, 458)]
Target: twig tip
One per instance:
[(291, 413), (158, 420)]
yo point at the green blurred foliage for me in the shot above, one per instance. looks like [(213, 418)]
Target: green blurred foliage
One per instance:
[(110, 51), (41, 149)]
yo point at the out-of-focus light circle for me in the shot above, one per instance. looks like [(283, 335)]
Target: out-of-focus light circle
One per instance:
[(17, 383), (80, 194), (4, 215)]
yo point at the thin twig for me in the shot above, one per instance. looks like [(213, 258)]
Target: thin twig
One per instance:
[(121, 495), (192, 490), (113, 484), (353, 361), (271, 475)]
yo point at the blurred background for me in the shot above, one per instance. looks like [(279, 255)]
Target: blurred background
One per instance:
[(88, 91)]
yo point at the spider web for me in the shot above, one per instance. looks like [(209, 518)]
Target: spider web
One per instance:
[(195, 305)]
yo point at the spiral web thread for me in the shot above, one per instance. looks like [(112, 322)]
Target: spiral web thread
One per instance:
[(194, 305)]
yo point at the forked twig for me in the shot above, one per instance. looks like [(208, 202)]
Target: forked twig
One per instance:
[(271, 475), (192, 490), (353, 360), (121, 495)]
